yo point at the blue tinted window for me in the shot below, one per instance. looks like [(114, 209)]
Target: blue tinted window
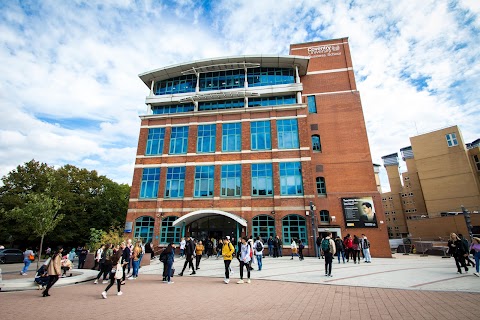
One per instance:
[(312, 105), (204, 181), (260, 135), (262, 183), (167, 232), (269, 76), (231, 136), (316, 145), (291, 178), (176, 85), (222, 80), (231, 182), (174, 108), (144, 229), (149, 184), (175, 183), (294, 227), (287, 134), (271, 101), (206, 138), (179, 140), (221, 104), (155, 141)]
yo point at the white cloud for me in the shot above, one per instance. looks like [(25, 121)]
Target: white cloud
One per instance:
[(416, 64)]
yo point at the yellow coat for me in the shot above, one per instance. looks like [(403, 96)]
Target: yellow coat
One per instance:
[(199, 249), (227, 251)]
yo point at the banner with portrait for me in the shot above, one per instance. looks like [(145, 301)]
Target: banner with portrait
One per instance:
[(359, 212)]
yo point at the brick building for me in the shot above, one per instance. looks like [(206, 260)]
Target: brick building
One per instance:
[(258, 145)]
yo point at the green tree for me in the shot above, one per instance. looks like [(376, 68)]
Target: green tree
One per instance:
[(39, 215)]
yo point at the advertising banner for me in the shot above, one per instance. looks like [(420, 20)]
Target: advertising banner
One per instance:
[(359, 212), (128, 227)]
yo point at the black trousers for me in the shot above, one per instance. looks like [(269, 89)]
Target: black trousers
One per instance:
[(51, 282), (227, 268), (197, 260), (247, 265), (189, 262), (95, 266), (300, 253), (112, 280), (105, 270), (81, 262), (328, 263), (460, 262)]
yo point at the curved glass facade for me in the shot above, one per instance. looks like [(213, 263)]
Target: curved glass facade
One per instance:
[(176, 85), (221, 80)]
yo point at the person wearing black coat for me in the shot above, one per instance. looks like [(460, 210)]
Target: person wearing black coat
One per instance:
[(457, 248), (126, 259), (189, 253)]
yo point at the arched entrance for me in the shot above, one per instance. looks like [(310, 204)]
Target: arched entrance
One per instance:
[(209, 223)]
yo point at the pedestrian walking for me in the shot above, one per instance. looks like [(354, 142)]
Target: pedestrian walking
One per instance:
[(136, 256), (219, 247), (28, 257), (366, 249), (245, 258), (468, 261), (475, 249), (199, 248), (126, 254), (189, 253), (54, 270), (116, 272), (457, 248), (170, 258), (258, 245), (294, 248), (356, 249), (300, 249), (227, 252), (340, 249), (328, 251), (182, 247), (102, 263)]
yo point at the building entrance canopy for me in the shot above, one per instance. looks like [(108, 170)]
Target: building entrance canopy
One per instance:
[(195, 215)]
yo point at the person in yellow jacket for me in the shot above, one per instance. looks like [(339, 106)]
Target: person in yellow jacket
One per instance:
[(227, 252), (199, 248)]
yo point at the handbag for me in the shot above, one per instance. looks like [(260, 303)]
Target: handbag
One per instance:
[(31, 257), (119, 272)]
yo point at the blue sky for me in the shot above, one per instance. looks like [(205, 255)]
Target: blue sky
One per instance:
[(70, 92)]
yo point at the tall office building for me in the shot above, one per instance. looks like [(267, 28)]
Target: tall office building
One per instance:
[(260, 145)]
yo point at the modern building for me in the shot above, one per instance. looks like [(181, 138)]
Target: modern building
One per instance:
[(260, 145), (443, 174)]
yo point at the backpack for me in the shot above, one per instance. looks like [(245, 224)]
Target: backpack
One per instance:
[(259, 246), (326, 245)]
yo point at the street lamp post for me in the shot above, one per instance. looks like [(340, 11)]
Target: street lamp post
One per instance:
[(314, 231)]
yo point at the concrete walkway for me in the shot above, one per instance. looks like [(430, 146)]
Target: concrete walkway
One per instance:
[(411, 272)]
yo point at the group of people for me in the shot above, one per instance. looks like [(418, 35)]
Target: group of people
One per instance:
[(460, 250)]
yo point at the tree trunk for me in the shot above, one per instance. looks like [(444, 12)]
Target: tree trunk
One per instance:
[(40, 252)]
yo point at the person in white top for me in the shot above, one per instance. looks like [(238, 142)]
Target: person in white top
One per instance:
[(182, 247), (98, 257), (258, 247), (244, 260), (294, 248)]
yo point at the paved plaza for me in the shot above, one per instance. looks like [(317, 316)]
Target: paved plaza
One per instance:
[(406, 287)]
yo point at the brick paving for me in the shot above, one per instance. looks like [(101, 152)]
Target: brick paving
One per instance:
[(209, 298)]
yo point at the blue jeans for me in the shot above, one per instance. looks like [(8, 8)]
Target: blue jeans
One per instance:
[(270, 250), (27, 264), (477, 260), (341, 253), (136, 265), (280, 251), (169, 270), (259, 261)]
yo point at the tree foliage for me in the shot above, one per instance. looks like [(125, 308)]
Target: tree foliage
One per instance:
[(88, 201)]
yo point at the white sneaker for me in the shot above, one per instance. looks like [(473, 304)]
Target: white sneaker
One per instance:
[(476, 273), (131, 278), (119, 293), (105, 281), (240, 281), (226, 281), (170, 282), (249, 281), (104, 294), (96, 281)]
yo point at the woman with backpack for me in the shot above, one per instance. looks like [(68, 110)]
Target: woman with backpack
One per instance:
[(245, 259), (258, 245), (339, 248)]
